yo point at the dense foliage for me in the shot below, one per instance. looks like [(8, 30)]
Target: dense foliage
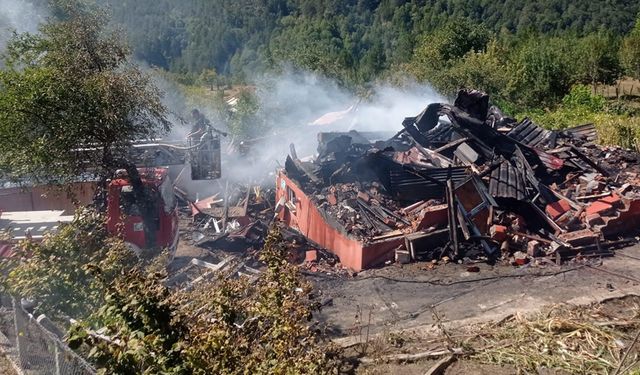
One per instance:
[(630, 53), (130, 322), (70, 87), (230, 326), (617, 122), (357, 39), (58, 273)]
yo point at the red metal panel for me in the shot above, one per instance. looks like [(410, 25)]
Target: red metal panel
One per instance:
[(627, 221), (6, 249), (131, 227), (379, 252), (42, 198), (14, 199), (307, 220)]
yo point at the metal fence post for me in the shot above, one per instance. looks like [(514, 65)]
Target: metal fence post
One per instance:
[(56, 353), (37, 347), (19, 327)]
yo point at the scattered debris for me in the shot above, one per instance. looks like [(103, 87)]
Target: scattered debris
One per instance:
[(475, 184), (235, 213), (570, 338)]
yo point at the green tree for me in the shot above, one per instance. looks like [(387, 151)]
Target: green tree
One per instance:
[(540, 72), (437, 52), (232, 36), (372, 63), (630, 52), (209, 77), (598, 60), (477, 70), (72, 87), (314, 45), (72, 104)]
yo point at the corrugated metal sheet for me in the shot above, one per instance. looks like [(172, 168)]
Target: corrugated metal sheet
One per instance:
[(549, 160), (586, 132), (530, 134), (442, 134), (507, 181), (408, 186)]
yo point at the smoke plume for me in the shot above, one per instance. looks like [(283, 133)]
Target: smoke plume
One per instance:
[(295, 107), (301, 105), (19, 16)]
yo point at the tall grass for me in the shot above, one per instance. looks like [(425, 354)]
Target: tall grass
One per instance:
[(617, 122), (618, 130)]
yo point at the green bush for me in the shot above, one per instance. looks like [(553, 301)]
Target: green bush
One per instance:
[(582, 97), (228, 326), (57, 273), (615, 123), (616, 130)]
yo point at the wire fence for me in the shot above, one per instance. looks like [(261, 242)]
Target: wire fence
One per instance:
[(34, 345)]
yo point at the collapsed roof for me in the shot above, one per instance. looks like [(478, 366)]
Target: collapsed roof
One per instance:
[(466, 180)]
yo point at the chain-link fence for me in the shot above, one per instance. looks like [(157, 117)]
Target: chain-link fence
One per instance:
[(33, 348)]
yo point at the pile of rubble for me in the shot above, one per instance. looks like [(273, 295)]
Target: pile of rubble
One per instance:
[(464, 180), (237, 214)]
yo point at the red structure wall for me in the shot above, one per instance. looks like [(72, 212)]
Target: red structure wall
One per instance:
[(307, 219), (41, 198)]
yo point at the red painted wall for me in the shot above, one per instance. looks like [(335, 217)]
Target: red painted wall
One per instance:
[(40, 198), (308, 221)]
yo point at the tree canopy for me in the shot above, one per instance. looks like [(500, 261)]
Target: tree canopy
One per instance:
[(358, 43), (72, 87), (358, 36), (630, 52)]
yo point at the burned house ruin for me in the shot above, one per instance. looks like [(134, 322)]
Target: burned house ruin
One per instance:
[(462, 180)]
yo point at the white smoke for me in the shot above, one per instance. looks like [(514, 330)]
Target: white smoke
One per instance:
[(173, 98), (292, 101), (299, 98), (389, 105), (289, 103), (19, 16)]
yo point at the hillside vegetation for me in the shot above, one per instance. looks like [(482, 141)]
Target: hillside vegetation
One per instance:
[(355, 39), (527, 54)]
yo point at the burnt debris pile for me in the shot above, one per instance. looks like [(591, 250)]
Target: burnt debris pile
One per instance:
[(236, 217), (465, 180)]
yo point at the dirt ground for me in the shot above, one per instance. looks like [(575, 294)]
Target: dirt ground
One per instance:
[(460, 367), (407, 302), (400, 298), (5, 366)]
